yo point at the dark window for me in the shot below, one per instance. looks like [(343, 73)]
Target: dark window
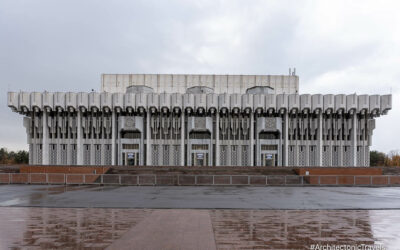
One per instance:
[(130, 135), (200, 135), (269, 135)]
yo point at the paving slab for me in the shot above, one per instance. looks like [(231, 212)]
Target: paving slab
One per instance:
[(202, 197), (170, 229), (99, 228)]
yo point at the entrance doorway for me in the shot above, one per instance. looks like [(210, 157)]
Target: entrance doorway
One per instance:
[(269, 154), (131, 158), (268, 159), (199, 159)]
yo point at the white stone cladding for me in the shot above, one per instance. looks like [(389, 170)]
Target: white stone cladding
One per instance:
[(202, 127), (175, 83)]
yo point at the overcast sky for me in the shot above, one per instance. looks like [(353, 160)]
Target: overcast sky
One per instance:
[(336, 47)]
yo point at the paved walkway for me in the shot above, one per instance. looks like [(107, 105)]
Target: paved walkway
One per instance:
[(78, 217), (100, 228), (201, 197), (170, 229)]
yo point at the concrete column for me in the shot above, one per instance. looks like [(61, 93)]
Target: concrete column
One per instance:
[(354, 139), (297, 147), (319, 137), (148, 136), (286, 139), (113, 137), (92, 152), (331, 141), (341, 149), (70, 141), (79, 145), (258, 150), (58, 144), (119, 146), (364, 144), (331, 145), (45, 143), (217, 146), (307, 143), (141, 150), (69, 153), (251, 139), (183, 138), (33, 141), (102, 152)]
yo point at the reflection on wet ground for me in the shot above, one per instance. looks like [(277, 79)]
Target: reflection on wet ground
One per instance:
[(202, 197), (59, 189), (298, 229), (97, 228), (65, 228)]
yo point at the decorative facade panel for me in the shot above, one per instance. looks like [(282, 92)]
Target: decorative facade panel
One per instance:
[(181, 120)]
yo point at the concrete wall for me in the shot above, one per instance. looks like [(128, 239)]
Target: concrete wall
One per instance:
[(230, 84)]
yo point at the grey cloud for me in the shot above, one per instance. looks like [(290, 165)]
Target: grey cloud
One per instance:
[(66, 45)]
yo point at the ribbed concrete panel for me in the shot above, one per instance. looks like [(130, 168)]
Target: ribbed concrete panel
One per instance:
[(188, 101), (48, 101), (247, 102), (200, 101), (317, 102), (329, 103), (130, 101), (71, 101), (176, 101), (36, 100), (83, 100), (12, 100), (375, 103), (59, 101), (212, 101), (294, 103), (118, 101), (282, 103), (351, 103), (259, 102), (340, 103), (24, 101), (230, 84), (141, 101), (234, 124), (223, 102), (386, 103), (105, 101), (363, 103), (305, 103), (94, 101), (165, 101)]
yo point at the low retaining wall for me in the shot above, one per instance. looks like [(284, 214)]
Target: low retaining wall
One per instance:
[(64, 169), (337, 171), (198, 180)]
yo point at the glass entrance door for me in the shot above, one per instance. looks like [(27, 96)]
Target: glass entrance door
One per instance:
[(131, 158), (199, 159), (268, 154), (268, 159)]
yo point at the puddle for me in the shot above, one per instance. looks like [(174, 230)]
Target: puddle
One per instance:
[(12, 202)]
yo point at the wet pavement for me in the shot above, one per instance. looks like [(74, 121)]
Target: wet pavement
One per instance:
[(99, 228), (201, 197), (95, 217), (299, 229), (65, 228)]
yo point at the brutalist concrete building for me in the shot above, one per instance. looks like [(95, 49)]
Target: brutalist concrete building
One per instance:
[(199, 120)]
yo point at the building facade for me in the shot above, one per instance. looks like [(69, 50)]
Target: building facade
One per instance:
[(199, 120)]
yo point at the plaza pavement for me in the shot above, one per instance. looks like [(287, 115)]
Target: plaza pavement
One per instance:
[(81, 217)]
